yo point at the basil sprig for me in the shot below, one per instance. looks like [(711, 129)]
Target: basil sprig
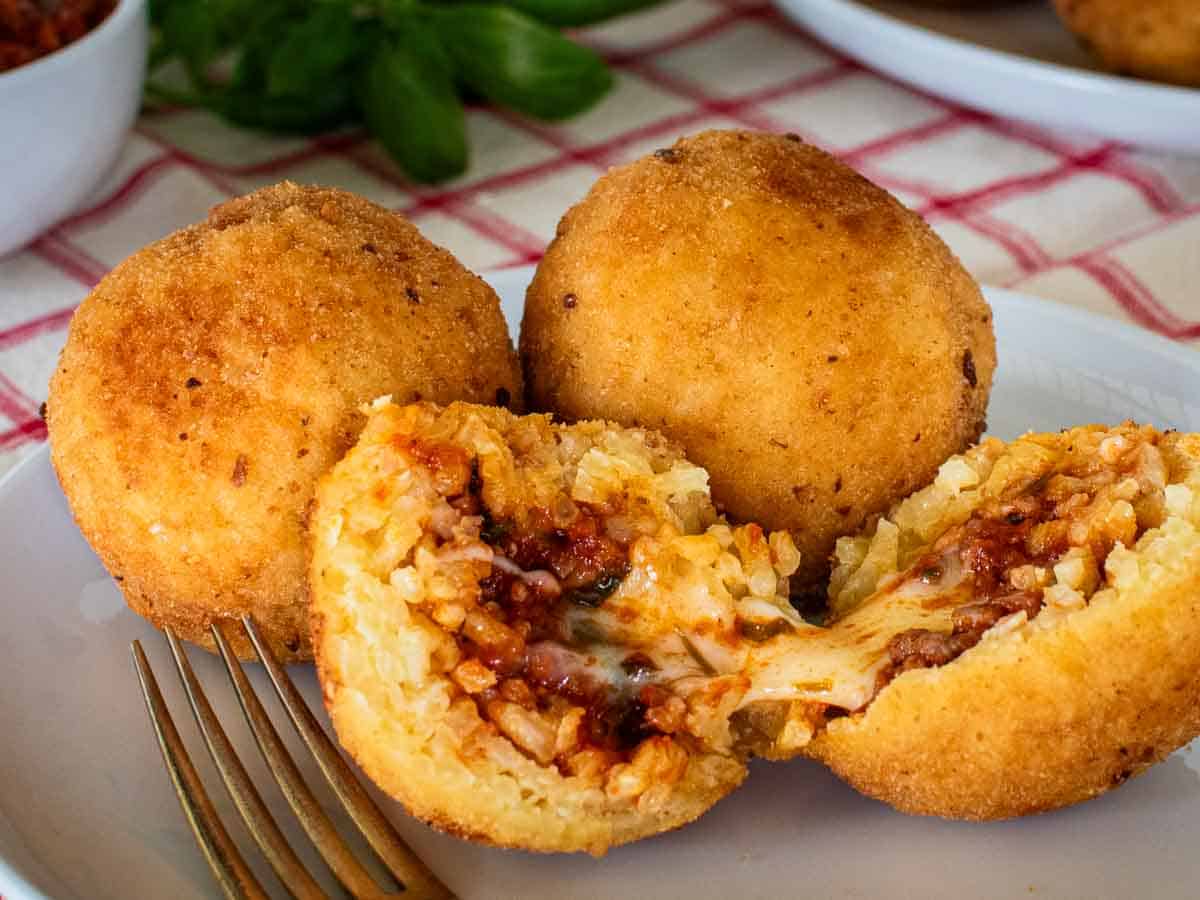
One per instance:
[(399, 67)]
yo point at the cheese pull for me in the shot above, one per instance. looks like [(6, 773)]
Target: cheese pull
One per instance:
[(545, 636)]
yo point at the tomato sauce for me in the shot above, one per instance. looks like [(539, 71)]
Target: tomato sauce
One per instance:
[(30, 29)]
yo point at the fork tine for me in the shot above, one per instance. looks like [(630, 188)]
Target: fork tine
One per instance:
[(241, 789), (316, 824), (232, 873), (416, 877)]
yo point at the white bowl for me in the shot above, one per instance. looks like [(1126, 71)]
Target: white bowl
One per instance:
[(63, 120)]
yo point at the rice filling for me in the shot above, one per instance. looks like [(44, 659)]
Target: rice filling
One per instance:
[(577, 672), (1041, 541)]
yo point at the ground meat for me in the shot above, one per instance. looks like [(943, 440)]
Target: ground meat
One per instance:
[(519, 630), (976, 618), (920, 648), (613, 720), (996, 540), (1005, 543), (580, 554), (587, 564), (992, 543)]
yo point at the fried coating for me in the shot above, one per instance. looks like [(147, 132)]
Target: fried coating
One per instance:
[(1155, 39), (1102, 682), (802, 335), (210, 378), (494, 631)]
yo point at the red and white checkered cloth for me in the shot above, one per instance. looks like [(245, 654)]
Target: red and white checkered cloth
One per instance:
[(1080, 220)]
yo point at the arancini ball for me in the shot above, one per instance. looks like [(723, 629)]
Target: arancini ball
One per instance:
[(544, 636), (806, 338), (1155, 39), (496, 607), (210, 378), (1070, 661)]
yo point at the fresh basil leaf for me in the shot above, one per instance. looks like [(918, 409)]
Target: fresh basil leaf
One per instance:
[(157, 10), (158, 53), (259, 42), (395, 12), (517, 62), (247, 100), (250, 70), (407, 98), (193, 32), (311, 51), (573, 13), (241, 17), (328, 108)]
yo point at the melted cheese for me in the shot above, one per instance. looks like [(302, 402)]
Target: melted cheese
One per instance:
[(836, 665), (839, 665), (693, 646)]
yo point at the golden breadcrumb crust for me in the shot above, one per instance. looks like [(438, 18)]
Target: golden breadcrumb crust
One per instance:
[(1156, 39), (1043, 717), (384, 664), (803, 336), (211, 377)]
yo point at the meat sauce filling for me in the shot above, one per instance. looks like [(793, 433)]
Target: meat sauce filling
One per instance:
[(1033, 529), (553, 562), (990, 546)]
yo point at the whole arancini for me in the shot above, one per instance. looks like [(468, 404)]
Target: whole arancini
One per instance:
[(805, 338), (210, 379)]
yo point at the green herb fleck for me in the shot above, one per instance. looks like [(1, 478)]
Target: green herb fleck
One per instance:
[(494, 532), (597, 592)]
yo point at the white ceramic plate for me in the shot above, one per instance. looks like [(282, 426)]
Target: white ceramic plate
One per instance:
[(87, 813), (1014, 59)]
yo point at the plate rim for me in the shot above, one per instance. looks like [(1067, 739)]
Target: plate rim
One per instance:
[(13, 883), (19, 466), (15, 886), (1110, 326)]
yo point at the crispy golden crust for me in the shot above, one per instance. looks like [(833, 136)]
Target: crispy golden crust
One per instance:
[(211, 377), (806, 339), (381, 583), (1156, 39), (1045, 717)]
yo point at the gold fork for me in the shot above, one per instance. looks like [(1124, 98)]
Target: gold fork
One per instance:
[(234, 876)]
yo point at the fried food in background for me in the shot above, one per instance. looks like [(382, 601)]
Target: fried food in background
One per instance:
[(210, 379), (803, 336), (543, 636), (1156, 39), (1075, 558)]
